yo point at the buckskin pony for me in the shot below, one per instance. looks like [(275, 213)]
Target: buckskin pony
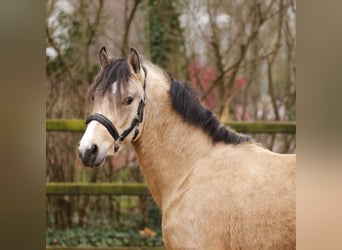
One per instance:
[(217, 189)]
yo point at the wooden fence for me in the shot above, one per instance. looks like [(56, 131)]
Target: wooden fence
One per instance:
[(74, 125)]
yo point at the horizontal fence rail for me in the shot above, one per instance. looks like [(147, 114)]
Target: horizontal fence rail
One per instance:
[(75, 125), (78, 188)]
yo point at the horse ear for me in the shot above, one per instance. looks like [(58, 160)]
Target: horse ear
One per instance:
[(134, 60), (103, 57)]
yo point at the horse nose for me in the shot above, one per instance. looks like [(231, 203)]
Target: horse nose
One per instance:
[(89, 155)]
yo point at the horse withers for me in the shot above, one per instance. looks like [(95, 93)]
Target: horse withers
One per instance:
[(217, 189)]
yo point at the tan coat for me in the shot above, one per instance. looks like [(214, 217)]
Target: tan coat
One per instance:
[(214, 196)]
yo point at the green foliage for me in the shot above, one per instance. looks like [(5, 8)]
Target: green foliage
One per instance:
[(104, 237), (153, 214), (104, 234), (159, 50), (119, 221)]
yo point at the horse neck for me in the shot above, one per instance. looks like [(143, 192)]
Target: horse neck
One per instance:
[(168, 147)]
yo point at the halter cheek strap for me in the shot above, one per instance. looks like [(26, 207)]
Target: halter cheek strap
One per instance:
[(134, 124)]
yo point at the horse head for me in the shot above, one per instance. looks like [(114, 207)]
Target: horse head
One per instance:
[(115, 102)]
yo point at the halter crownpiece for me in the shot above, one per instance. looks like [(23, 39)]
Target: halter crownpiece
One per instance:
[(134, 124)]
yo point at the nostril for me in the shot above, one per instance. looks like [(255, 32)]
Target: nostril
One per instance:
[(89, 155), (94, 149)]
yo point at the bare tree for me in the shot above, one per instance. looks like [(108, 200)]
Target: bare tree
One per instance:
[(246, 42)]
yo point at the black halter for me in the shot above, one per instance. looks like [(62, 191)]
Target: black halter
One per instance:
[(134, 124)]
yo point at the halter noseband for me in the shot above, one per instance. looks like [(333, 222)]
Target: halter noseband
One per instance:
[(134, 124)]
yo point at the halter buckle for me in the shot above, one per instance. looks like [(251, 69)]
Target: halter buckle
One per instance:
[(116, 147)]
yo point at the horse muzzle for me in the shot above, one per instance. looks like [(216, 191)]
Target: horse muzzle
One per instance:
[(90, 156)]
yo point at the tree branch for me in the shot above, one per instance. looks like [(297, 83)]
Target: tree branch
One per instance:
[(243, 48), (128, 22), (233, 67), (96, 23), (270, 61)]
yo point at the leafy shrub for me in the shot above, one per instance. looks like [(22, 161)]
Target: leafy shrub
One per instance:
[(105, 236)]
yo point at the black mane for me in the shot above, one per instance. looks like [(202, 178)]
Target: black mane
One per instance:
[(186, 104)]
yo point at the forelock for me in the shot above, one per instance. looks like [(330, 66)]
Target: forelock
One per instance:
[(117, 70)]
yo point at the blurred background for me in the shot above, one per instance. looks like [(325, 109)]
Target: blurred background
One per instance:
[(238, 55)]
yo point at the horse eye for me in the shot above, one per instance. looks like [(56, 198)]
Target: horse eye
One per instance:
[(128, 100)]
